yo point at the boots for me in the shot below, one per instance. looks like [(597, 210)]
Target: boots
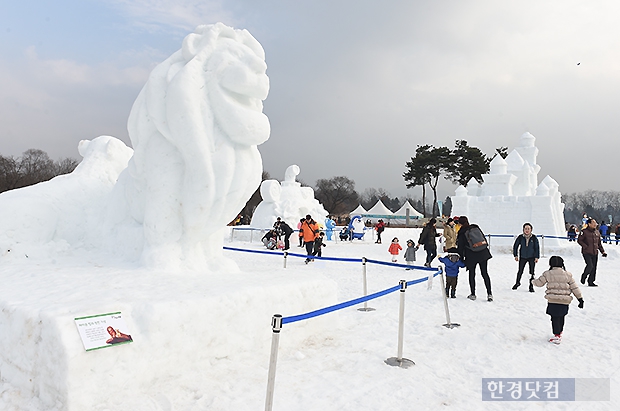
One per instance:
[(453, 294), (447, 291)]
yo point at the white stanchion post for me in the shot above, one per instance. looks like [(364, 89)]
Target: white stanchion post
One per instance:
[(251, 234), (542, 254), (399, 361), (276, 325), (489, 241), (444, 292), (232, 234), (285, 255), (365, 308)]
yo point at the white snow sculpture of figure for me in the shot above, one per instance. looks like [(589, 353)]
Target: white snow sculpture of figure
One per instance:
[(329, 228), (289, 201), (358, 229), (194, 128)]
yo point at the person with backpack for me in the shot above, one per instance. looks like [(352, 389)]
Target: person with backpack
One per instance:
[(310, 230), (526, 251), (474, 251)]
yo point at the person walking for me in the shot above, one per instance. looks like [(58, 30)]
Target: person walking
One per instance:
[(310, 231), (452, 262), (410, 253), (449, 233), (301, 233), (590, 241), (474, 251), (380, 227), (428, 239), (526, 250), (394, 249), (560, 286), (318, 246), (604, 230), (572, 233)]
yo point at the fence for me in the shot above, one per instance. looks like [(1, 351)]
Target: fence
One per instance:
[(278, 320)]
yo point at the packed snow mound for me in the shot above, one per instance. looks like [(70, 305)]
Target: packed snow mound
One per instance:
[(194, 127)]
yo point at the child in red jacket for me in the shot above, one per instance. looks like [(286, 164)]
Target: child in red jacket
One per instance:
[(394, 249)]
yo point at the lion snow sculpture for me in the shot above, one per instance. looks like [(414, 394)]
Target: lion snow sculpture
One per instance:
[(194, 128)]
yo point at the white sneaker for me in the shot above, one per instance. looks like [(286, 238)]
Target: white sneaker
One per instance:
[(556, 339), (490, 298), (471, 297)]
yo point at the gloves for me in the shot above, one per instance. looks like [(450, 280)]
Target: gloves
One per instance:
[(604, 254), (580, 303)]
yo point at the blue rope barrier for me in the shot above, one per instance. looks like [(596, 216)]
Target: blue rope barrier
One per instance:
[(326, 310), (254, 251), (346, 259), (294, 318), (417, 267)]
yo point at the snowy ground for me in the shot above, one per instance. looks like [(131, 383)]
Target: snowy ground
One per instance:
[(342, 367)]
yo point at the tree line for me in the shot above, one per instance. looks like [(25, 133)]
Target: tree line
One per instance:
[(32, 167), (459, 166), (600, 205), (338, 194)]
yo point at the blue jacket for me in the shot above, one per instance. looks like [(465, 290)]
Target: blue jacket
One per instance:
[(452, 267), (532, 249)]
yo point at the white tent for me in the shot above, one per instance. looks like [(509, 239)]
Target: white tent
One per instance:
[(377, 212), (358, 211), (413, 213)]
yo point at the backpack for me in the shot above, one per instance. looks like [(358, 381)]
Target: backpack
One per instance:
[(476, 241)]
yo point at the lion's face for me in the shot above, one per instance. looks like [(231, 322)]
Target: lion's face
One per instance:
[(241, 83)]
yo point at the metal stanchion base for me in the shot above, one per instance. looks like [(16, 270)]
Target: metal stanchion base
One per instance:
[(452, 325), (365, 309), (399, 362)]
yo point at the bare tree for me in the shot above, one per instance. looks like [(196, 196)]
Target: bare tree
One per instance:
[(34, 166), (337, 194)]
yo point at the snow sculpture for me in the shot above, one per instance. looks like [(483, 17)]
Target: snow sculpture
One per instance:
[(357, 227), (288, 200), (511, 196), (195, 127), (329, 228)]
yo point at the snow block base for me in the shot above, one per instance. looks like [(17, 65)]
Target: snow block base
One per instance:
[(179, 325)]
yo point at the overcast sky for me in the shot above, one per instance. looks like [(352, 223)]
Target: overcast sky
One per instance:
[(355, 84)]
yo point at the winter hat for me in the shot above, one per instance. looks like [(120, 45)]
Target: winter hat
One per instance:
[(452, 250), (432, 221), (450, 220)]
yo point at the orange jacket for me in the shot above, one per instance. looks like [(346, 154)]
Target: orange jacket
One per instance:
[(310, 230), (394, 247)]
